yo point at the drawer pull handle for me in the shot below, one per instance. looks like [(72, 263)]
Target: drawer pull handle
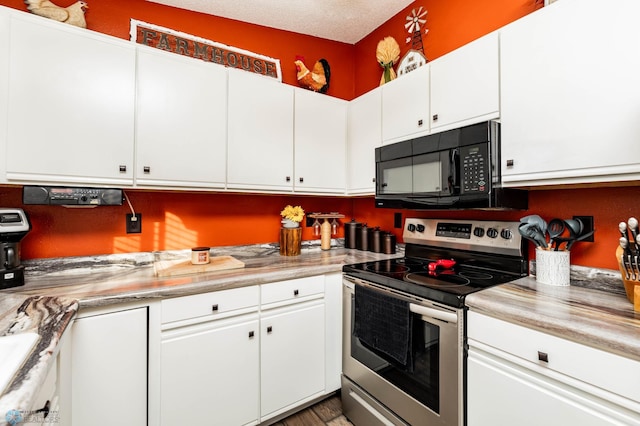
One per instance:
[(251, 334), (214, 307), (269, 329), (543, 356), (296, 292)]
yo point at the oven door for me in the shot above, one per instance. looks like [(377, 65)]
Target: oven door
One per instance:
[(429, 391)]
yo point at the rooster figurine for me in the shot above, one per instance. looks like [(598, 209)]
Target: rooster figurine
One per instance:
[(316, 79), (73, 15)]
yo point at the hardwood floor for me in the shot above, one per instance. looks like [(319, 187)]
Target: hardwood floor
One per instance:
[(327, 412)]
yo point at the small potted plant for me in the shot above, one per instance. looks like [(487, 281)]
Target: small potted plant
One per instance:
[(292, 216)]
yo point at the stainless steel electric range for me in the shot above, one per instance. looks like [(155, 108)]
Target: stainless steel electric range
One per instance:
[(404, 320)]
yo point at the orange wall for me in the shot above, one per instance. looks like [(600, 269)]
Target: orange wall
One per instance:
[(182, 220)]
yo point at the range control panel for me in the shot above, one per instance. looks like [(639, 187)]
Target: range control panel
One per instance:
[(55, 195), (477, 235)]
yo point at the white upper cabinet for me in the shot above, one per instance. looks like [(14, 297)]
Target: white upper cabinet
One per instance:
[(364, 136), (72, 94), (405, 106), (4, 87), (465, 85), (320, 138), (570, 102), (181, 121), (260, 138)]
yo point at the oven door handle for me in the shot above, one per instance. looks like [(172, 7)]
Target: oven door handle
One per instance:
[(450, 317)]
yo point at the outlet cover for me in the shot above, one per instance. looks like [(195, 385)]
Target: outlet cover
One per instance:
[(587, 222), (134, 226), (397, 220)]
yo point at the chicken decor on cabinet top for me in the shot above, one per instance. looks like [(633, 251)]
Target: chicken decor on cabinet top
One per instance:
[(317, 79), (72, 15), (387, 53)]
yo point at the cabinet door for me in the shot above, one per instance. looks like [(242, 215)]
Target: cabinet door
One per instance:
[(320, 142), (405, 106), (109, 369), (292, 356), (209, 373), (72, 104), (503, 394), (465, 85), (260, 142), (181, 121), (364, 136), (569, 94), (4, 85)]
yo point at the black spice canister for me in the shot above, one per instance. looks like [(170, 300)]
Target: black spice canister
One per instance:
[(388, 243), (362, 237), (351, 234)]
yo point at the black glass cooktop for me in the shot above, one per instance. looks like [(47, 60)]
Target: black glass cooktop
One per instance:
[(443, 280)]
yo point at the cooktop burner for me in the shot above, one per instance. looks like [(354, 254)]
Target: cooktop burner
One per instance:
[(467, 261)]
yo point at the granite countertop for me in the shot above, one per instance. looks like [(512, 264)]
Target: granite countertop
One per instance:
[(593, 310), (55, 289)]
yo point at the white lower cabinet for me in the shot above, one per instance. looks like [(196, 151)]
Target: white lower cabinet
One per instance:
[(509, 382), (109, 369), (244, 356), (209, 373), (292, 356)]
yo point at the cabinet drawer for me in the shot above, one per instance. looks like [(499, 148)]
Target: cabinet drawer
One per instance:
[(603, 369), (209, 304), (292, 289)]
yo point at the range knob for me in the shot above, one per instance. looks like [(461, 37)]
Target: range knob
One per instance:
[(478, 232), (492, 233), (411, 227), (506, 234), (420, 227)]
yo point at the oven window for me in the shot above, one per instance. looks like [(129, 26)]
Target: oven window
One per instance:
[(421, 379)]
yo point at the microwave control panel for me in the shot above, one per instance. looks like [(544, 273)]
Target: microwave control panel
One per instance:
[(474, 165)]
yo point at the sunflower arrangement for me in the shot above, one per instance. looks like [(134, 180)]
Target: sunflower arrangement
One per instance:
[(293, 213)]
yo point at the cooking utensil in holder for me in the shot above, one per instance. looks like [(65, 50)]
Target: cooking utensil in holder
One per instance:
[(630, 270)]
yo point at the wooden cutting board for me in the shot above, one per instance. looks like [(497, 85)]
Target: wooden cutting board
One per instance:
[(170, 268)]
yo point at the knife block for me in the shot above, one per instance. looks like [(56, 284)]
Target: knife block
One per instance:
[(631, 286)]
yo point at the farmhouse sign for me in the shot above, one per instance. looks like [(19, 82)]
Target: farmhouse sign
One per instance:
[(206, 50)]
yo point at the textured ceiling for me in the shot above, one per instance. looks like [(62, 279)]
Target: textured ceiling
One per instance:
[(347, 21)]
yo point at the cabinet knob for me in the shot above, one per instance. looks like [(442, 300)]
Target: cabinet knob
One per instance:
[(214, 308), (301, 179), (296, 292), (288, 178), (543, 356), (373, 180), (435, 117), (251, 334), (419, 122), (122, 168), (509, 163), (269, 329), (146, 169)]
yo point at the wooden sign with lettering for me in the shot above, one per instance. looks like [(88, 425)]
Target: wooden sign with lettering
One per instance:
[(205, 50)]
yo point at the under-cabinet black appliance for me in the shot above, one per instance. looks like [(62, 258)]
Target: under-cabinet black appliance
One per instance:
[(14, 226), (454, 169), (404, 320)]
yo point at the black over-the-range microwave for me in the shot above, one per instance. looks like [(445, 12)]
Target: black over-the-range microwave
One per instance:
[(454, 169)]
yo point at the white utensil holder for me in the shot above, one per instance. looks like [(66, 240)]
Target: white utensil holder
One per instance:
[(553, 267)]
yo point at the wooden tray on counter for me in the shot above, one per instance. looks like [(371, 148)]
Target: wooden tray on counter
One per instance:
[(171, 268)]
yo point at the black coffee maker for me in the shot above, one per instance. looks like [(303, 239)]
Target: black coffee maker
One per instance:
[(14, 225)]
